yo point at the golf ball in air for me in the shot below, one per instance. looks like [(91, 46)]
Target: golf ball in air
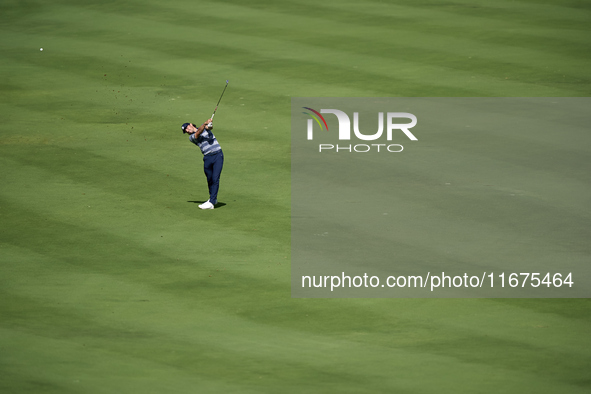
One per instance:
[(41, 49)]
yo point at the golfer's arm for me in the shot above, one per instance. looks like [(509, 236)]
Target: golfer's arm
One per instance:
[(200, 130)]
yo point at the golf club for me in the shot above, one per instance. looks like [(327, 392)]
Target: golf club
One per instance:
[(216, 107)]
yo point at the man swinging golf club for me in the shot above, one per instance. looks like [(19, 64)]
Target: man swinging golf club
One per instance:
[(213, 157)]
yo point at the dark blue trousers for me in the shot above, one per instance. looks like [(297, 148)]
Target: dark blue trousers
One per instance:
[(212, 166)]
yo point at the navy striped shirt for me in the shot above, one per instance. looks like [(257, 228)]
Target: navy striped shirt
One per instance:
[(206, 142)]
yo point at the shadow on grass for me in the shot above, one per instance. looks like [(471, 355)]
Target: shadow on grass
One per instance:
[(218, 205)]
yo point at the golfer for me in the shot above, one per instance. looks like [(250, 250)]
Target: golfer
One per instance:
[(213, 157)]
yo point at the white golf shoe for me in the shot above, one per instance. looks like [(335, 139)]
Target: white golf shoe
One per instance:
[(206, 205)]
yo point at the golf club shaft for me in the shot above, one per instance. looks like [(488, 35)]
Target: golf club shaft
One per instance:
[(216, 107)]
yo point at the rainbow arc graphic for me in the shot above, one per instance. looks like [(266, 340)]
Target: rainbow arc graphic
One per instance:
[(316, 115)]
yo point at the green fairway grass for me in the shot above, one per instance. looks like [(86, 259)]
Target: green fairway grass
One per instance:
[(112, 280)]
